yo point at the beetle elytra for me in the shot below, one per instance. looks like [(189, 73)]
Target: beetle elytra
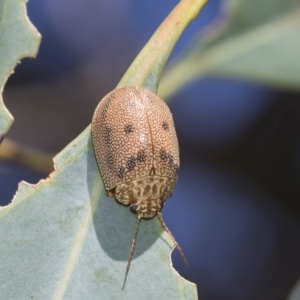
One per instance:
[(137, 152)]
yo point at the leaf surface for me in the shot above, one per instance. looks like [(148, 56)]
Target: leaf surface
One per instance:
[(18, 39), (64, 239), (295, 293)]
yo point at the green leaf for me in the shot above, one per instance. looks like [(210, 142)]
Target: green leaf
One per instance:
[(295, 293), (257, 40), (64, 239), (18, 39)]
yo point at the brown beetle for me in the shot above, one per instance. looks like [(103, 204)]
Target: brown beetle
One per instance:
[(137, 152)]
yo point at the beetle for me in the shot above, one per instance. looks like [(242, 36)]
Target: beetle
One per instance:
[(137, 152)]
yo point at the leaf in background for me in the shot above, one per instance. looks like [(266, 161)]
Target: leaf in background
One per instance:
[(257, 40), (295, 293), (64, 239), (18, 39)]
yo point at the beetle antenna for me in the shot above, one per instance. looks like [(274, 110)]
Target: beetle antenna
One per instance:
[(133, 244), (172, 238)]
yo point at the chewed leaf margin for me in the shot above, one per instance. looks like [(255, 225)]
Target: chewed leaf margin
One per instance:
[(18, 39)]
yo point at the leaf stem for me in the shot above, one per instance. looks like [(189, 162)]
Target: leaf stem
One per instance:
[(148, 66), (26, 156)]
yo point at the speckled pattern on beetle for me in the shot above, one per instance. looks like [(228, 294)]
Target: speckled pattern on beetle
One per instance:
[(136, 148)]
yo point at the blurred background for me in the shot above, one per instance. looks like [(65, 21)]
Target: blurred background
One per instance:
[(235, 210)]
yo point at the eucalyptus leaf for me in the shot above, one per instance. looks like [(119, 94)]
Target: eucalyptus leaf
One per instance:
[(18, 39), (257, 40), (64, 239)]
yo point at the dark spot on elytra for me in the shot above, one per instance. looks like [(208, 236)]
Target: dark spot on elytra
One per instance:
[(167, 157), (163, 154), (172, 164), (141, 156), (110, 160), (165, 125), (130, 164), (128, 128), (170, 159), (107, 134), (120, 172)]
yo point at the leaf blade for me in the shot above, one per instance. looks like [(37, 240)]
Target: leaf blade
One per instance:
[(18, 39), (72, 242)]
